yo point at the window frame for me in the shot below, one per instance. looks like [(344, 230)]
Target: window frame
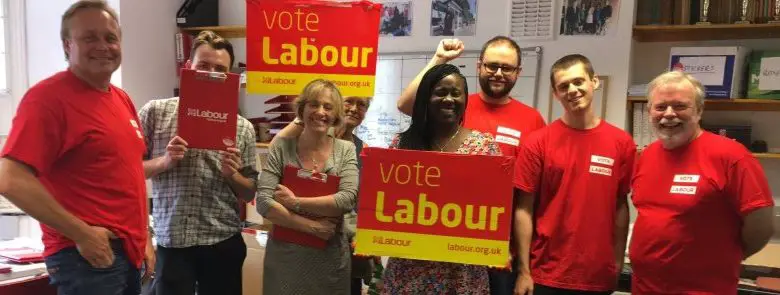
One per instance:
[(16, 57)]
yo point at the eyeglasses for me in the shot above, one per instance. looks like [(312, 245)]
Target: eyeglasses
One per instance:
[(494, 67), (361, 105), (661, 108)]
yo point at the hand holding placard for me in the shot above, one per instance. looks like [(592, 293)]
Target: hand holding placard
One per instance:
[(208, 109)]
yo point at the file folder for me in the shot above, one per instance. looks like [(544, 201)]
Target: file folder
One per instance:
[(305, 184), (208, 109)]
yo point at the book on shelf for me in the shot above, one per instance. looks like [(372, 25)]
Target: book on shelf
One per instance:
[(688, 12)]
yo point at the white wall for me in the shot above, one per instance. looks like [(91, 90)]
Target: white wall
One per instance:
[(609, 54), (149, 65), (6, 114)]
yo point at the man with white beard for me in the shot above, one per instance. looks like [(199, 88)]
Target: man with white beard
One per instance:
[(703, 200)]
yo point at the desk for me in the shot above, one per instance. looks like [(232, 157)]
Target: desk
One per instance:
[(30, 285), (769, 256)]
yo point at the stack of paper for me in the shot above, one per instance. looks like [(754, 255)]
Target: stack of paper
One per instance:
[(20, 270), (7, 208)]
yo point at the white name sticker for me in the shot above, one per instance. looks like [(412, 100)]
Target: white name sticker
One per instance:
[(683, 189), (601, 170), (602, 160), (507, 140), (683, 178), (508, 131)]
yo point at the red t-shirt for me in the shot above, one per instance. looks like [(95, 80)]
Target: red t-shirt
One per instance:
[(690, 203), (508, 123), (87, 149), (576, 177)]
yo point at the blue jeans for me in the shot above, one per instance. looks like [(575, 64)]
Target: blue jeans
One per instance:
[(73, 275)]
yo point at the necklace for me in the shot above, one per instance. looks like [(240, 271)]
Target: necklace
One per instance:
[(314, 162), (441, 148)]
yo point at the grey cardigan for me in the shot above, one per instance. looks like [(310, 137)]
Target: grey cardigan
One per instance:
[(342, 162)]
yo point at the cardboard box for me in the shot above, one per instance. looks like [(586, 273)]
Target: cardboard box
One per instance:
[(764, 75), (252, 272), (721, 70)]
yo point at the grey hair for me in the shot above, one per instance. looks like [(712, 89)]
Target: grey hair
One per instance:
[(678, 77)]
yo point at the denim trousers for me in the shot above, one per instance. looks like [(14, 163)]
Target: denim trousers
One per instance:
[(71, 274)]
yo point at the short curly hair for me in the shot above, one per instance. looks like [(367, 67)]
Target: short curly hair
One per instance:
[(215, 41)]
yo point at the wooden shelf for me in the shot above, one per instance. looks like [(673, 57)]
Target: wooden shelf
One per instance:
[(757, 155), (747, 105), (224, 31), (767, 155), (670, 33)]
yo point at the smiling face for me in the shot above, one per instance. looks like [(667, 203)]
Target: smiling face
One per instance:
[(355, 109), (498, 70), (93, 46), (574, 88), (674, 114), (319, 112), (448, 100)]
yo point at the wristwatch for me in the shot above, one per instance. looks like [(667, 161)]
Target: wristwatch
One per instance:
[(298, 121)]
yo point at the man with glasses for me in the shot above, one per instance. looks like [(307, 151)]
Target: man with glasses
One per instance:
[(490, 110), (692, 183)]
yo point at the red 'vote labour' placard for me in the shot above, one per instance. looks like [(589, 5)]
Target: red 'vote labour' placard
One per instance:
[(435, 206), (292, 42)]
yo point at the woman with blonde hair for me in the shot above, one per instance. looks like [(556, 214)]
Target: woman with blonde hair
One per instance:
[(291, 268), (355, 109)]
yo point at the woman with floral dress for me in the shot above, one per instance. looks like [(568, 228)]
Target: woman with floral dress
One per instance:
[(437, 120)]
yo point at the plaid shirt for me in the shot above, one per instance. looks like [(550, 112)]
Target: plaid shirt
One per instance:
[(192, 203)]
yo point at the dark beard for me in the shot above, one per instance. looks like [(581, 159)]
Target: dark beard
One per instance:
[(485, 85)]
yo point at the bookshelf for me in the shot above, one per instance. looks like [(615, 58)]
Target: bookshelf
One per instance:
[(676, 33), (767, 155), (775, 156), (738, 104), (661, 25), (238, 31)]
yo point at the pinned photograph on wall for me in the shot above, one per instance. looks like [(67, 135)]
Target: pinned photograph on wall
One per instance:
[(396, 19), (589, 17), (453, 17)]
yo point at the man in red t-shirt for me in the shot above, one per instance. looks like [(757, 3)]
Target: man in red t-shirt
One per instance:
[(702, 199), (572, 178), (491, 110), (73, 162)]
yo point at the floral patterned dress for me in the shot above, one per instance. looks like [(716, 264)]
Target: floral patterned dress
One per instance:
[(413, 277)]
